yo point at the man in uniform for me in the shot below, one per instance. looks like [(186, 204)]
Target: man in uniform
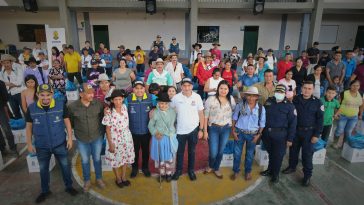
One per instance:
[(310, 114), (279, 131)]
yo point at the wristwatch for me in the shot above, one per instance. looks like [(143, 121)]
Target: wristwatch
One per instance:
[(200, 129)]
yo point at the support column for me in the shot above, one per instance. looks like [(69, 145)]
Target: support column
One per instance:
[(282, 37), (65, 17), (304, 32), (315, 25), (193, 23), (86, 18)]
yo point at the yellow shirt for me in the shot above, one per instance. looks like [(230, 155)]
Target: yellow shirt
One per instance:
[(350, 105), (72, 62), (139, 56)]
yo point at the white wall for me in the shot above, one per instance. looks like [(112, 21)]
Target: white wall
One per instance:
[(9, 21), (230, 23), (348, 26), (292, 37), (139, 28)]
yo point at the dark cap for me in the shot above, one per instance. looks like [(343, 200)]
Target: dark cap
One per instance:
[(138, 82), (117, 93), (280, 88), (121, 46), (44, 88), (163, 97), (186, 80), (70, 46), (270, 50), (94, 62), (316, 43), (86, 88)]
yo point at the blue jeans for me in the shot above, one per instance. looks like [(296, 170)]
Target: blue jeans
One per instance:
[(92, 148), (249, 153), (345, 125), (44, 156), (218, 137)]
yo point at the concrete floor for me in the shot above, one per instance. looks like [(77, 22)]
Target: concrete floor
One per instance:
[(335, 183)]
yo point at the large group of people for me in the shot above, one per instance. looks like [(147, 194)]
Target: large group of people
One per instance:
[(277, 101)]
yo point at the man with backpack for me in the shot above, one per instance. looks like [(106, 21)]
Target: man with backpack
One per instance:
[(248, 123)]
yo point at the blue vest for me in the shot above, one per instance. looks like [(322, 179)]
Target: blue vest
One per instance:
[(139, 114), (48, 127)]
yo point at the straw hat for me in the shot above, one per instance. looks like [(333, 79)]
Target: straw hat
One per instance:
[(252, 91)]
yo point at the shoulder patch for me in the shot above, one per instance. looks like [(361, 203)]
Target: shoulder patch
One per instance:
[(295, 112), (322, 108)]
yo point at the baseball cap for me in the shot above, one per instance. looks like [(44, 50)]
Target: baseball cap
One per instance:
[(94, 62), (44, 88), (280, 88), (186, 80), (86, 88), (138, 82)]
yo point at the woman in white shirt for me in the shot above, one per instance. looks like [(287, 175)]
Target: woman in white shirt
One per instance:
[(212, 83)]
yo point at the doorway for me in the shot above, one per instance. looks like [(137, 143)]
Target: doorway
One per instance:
[(359, 40), (101, 34), (250, 40)]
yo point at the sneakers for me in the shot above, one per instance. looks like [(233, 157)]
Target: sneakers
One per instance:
[(100, 184), (86, 186), (42, 197), (72, 191)]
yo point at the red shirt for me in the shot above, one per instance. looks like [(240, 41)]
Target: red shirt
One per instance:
[(99, 95), (204, 73), (216, 52), (228, 76), (282, 68)]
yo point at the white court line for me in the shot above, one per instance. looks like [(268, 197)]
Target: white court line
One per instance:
[(14, 158), (346, 171), (174, 192)]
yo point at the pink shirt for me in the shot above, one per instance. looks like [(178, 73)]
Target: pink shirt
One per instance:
[(216, 52)]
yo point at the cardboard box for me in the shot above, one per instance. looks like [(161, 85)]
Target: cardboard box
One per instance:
[(261, 156), (33, 165), (19, 136), (318, 156), (105, 166), (227, 160), (72, 95), (352, 154)]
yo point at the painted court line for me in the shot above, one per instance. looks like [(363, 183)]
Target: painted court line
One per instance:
[(346, 171), (174, 192)]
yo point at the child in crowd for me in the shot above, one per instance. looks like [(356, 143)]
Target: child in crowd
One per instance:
[(164, 145), (107, 57), (28, 96), (119, 147), (154, 89), (171, 91), (338, 87), (93, 73), (248, 79), (331, 105), (149, 70)]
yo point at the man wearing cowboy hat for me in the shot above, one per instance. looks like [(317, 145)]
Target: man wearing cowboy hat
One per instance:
[(216, 50), (248, 123), (196, 50), (176, 70), (103, 89), (86, 115), (33, 69), (47, 119), (13, 79), (129, 59), (158, 42), (159, 75)]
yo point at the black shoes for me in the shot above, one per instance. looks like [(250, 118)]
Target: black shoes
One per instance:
[(274, 179), (42, 197), (288, 170), (134, 173), (168, 178), (146, 172), (265, 173), (306, 181), (192, 175), (176, 175), (72, 191)]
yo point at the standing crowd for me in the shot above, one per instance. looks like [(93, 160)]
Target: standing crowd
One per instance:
[(274, 100)]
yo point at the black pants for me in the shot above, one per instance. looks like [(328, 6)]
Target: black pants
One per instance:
[(109, 72), (71, 77), (141, 141), (191, 140), (201, 92), (15, 103), (326, 132), (5, 126)]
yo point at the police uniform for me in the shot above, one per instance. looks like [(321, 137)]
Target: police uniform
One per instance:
[(280, 127), (310, 114)]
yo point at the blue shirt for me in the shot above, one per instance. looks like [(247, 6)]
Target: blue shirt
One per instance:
[(248, 120), (261, 72), (248, 81), (174, 48), (107, 57), (154, 100), (131, 64), (350, 67)]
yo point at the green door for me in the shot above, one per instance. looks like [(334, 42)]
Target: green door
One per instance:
[(101, 34), (359, 40), (250, 40)]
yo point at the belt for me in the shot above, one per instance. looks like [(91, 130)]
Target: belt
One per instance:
[(248, 132), (213, 124), (276, 129), (305, 128)]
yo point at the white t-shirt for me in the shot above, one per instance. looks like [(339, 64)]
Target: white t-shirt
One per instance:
[(176, 74), (271, 61), (290, 86), (245, 64), (187, 109)]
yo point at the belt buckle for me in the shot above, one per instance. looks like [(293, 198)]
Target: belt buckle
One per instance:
[(269, 129)]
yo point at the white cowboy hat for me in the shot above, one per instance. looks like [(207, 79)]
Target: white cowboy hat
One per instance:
[(252, 91), (103, 77)]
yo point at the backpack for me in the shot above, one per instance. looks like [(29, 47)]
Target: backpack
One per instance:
[(259, 110)]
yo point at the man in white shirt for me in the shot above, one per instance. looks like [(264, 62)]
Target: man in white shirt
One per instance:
[(271, 59), (176, 70), (190, 119)]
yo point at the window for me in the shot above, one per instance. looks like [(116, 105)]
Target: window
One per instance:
[(31, 32), (208, 34)]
